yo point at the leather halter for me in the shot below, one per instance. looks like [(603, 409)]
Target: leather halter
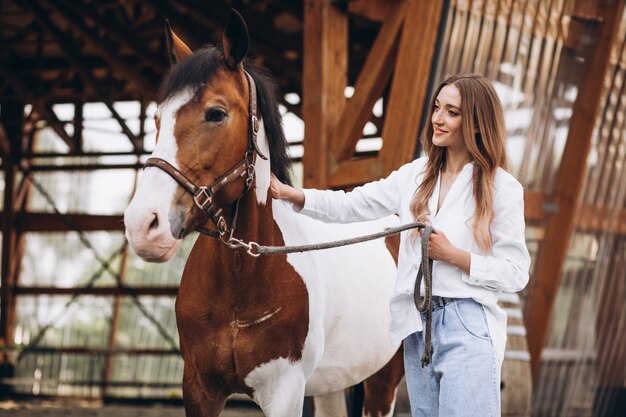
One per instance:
[(203, 195)]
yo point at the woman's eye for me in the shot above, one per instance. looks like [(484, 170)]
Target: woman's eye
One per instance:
[(214, 115)]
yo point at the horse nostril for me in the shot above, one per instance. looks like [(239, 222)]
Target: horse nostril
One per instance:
[(154, 223)]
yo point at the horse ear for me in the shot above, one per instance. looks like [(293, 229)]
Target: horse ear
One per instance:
[(176, 48), (235, 40)]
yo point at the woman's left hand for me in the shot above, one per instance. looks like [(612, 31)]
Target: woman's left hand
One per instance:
[(440, 249)]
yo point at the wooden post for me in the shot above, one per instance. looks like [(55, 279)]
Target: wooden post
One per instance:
[(325, 79), (410, 83), (12, 120), (549, 265), (405, 47)]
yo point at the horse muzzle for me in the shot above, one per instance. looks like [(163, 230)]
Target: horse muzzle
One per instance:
[(149, 234)]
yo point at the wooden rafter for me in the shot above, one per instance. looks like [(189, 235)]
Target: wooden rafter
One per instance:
[(44, 109), (553, 251), (100, 44), (65, 44), (119, 35)]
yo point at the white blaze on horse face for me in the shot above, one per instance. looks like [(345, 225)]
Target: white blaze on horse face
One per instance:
[(155, 193), (262, 167)]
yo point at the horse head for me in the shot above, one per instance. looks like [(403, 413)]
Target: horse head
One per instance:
[(207, 153)]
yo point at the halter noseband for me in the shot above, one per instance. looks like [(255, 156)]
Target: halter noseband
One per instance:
[(203, 195)]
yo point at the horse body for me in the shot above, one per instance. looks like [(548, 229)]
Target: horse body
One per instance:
[(273, 327)]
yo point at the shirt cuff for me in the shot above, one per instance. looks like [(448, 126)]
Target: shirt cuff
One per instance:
[(309, 203), (481, 272)]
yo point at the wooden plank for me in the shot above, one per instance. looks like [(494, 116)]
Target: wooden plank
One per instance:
[(369, 86), (325, 75), (356, 172), (50, 222), (553, 251), (376, 10), (12, 118), (410, 83), (156, 291)]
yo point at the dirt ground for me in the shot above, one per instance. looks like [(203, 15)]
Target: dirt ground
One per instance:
[(91, 409)]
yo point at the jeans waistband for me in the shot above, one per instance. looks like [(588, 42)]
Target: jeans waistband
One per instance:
[(440, 302)]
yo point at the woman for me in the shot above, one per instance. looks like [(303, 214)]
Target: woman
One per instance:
[(462, 188)]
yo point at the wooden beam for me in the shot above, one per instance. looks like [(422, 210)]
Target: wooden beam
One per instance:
[(121, 36), (12, 118), (553, 251), (410, 83), (99, 291), (78, 127), (50, 222), (325, 75), (91, 350), (369, 86), (104, 48), (377, 10), (69, 51), (44, 109)]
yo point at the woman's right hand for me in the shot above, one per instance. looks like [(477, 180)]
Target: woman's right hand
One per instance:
[(281, 191)]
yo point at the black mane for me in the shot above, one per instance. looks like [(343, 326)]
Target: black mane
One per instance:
[(197, 69)]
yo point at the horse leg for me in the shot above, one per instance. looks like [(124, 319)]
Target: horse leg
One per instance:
[(380, 388), (198, 400), (330, 405), (282, 395)]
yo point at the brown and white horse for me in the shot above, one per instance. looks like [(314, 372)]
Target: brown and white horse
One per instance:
[(277, 328)]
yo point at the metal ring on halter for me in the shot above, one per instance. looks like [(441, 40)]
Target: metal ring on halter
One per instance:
[(253, 249), (207, 197)]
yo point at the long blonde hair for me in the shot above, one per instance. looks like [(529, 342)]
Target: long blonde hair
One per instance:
[(483, 134)]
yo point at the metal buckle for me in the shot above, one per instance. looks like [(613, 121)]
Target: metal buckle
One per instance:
[(255, 124), (250, 177), (207, 197), (222, 227)]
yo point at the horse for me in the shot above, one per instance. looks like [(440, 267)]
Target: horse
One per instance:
[(276, 328)]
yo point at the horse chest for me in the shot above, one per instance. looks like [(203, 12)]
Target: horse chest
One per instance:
[(233, 321)]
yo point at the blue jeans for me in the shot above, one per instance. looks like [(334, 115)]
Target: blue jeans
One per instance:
[(464, 376)]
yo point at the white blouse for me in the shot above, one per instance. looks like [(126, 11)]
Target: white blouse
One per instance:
[(504, 268)]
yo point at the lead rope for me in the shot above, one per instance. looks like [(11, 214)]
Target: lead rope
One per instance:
[(425, 270), (424, 304)]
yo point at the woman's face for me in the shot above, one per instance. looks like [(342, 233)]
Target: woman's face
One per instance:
[(447, 119)]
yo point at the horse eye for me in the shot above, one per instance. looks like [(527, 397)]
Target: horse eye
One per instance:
[(214, 115)]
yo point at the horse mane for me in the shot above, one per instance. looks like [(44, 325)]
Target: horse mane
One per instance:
[(196, 70)]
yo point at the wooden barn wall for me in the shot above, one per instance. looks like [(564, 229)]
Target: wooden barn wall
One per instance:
[(536, 54), (584, 361)]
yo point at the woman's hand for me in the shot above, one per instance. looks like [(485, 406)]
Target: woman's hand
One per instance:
[(440, 249), (281, 191)]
